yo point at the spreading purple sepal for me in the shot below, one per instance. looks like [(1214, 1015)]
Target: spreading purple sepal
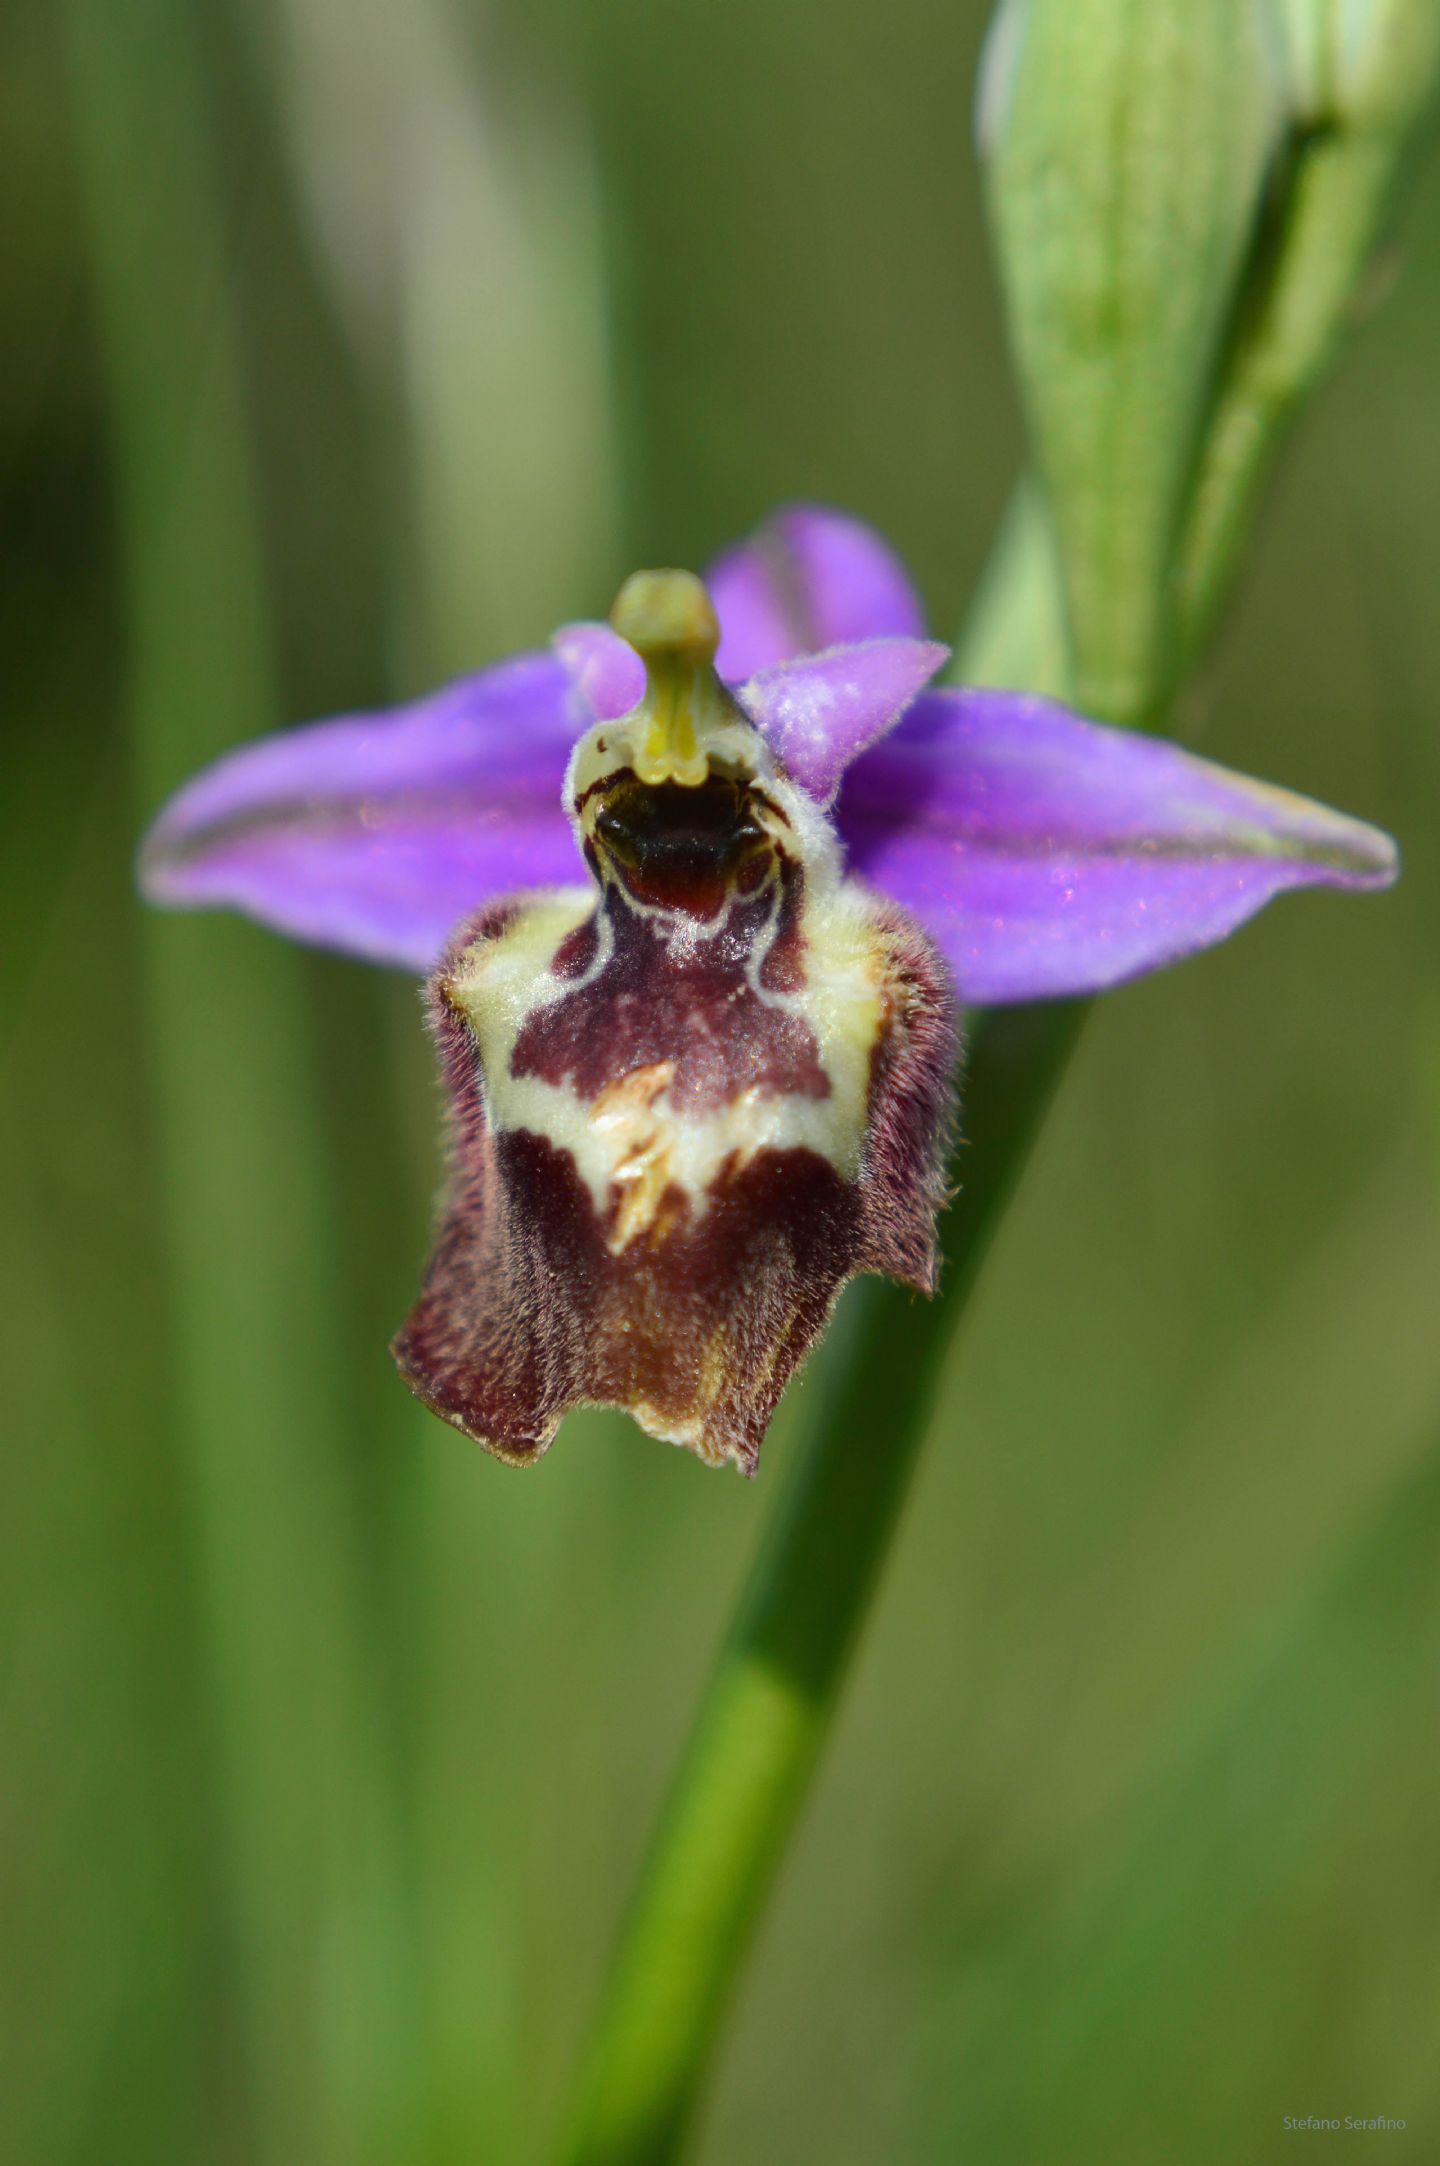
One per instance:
[(821, 713), (1051, 857), (699, 1068), (376, 834), (809, 578), (1048, 856)]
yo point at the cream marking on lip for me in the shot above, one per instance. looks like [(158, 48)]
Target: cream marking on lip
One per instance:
[(631, 1143)]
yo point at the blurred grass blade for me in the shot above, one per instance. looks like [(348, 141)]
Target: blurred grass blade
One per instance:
[(456, 207), (241, 1148), (451, 200), (1360, 91)]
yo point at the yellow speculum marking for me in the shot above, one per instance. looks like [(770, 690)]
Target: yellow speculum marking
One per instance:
[(630, 1115)]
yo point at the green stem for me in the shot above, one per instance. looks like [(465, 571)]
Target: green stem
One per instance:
[(1016, 634), (764, 1716), (767, 1710), (1305, 295)]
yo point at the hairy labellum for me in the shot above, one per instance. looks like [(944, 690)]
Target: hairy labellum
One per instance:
[(688, 1102)]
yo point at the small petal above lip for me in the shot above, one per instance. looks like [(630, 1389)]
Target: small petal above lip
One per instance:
[(808, 579), (820, 713), (607, 672), (376, 833), (1052, 857)]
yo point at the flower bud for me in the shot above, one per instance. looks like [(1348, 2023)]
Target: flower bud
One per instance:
[(1360, 74), (1360, 64), (1128, 144)]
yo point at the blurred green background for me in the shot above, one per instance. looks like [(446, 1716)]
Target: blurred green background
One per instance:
[(351, 345)]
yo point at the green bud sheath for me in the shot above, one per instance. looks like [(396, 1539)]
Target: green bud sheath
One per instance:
[(1361, 65), (1359, 77), (1129, 142)]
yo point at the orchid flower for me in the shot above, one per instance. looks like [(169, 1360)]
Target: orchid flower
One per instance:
[(696, 1091)]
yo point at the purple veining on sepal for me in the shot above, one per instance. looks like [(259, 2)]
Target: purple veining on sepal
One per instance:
[(1052, 857), (376, 833), (809, 578), (820, 713)]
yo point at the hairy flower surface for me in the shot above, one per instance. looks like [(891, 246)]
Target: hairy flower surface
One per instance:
[(695, 1093)]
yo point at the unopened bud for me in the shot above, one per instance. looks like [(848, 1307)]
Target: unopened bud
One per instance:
[(1128, 145), (1360, 64)]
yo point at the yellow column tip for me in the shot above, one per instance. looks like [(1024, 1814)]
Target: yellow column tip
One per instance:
[(667, 613)]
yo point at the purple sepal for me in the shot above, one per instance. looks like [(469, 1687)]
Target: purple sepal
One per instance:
[(822, 712), (378, 833), (1050, 857), (808, 579)]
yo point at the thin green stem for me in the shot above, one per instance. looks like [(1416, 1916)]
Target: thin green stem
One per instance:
[(768, 1707), (1304, 295), (765, 1714), (767, 1711), (1016, 634)]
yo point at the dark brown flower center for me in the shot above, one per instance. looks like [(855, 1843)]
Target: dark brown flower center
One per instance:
[(680, 848)]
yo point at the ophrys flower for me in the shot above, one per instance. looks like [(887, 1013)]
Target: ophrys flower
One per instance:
[(694, 1095)]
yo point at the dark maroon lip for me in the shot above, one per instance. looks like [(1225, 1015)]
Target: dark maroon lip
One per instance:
[(695, 1010), (538, 1299), (640, 1324)]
